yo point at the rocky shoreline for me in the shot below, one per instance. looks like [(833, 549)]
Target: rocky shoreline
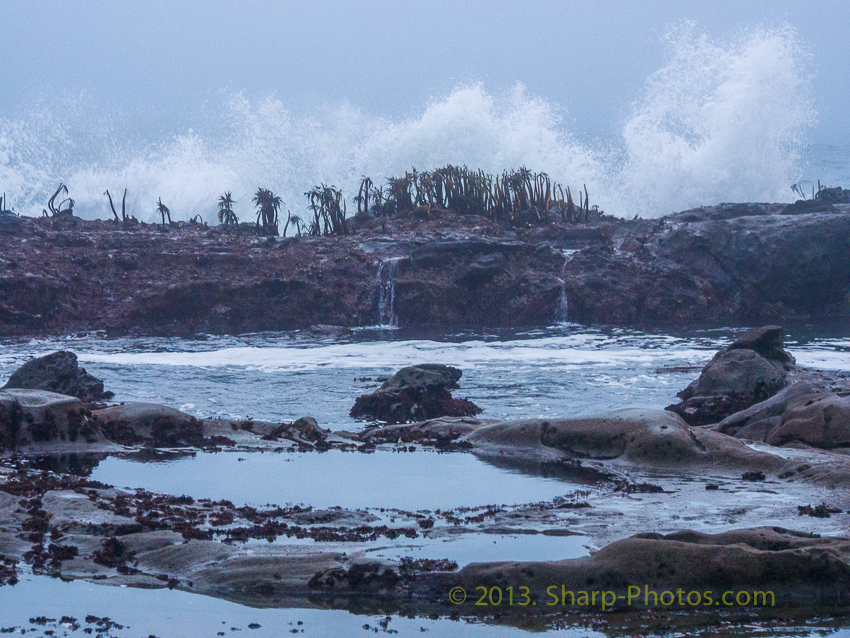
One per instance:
[(755, 511), (730, 264)]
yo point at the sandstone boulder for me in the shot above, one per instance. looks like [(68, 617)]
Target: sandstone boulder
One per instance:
[(149, 424), (753, 368), (58, 372), (797, 568), (821, 421), (34, 416), (648, 438), (415, 393)]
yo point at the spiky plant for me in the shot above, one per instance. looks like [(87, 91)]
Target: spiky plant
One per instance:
[(268, 204), (163, 210), (225, 210)]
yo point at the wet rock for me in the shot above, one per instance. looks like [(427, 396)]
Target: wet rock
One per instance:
[(768, 341), (483, 270), (324, 330), (807, 206), (415, 393), (437, 432), (646, 438), (798, 568), (30, 417), (821, 421), (149, 424), (797, 416), (58, 372), (305, 429), (835, 195), (750, 370), (756, 421)]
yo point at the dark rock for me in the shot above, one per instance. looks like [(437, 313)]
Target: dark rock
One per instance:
[(768, 341), (415, 394), (806, 206), (149, 424), (10, 223), (58, 372), (305, 429), (835, 195), (483, 270), (752, 369)]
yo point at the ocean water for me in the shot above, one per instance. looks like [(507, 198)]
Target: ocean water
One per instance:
[(718, 121), (561, 371), (564, 370)]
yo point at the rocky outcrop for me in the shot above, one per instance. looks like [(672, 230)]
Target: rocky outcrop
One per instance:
[(632, 437), (732, 263), (149, 424), (415, 393), (35, 418), (58, 372), (753, 368), (797, 416), (796, 568)]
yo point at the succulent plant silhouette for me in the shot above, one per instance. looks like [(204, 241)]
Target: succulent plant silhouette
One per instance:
[(268, 205), (225, 210), (163, 210), (328, 215), (123, 206), (58, 210)]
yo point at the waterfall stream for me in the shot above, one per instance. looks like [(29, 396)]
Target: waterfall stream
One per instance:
[(386, 301)]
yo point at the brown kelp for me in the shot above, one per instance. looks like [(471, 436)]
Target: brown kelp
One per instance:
[(123, 206)]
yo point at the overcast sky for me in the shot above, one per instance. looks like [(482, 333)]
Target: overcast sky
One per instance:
[(164, 63)]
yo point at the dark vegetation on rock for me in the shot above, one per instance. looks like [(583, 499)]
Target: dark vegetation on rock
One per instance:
[(416, 393), (476, 256), (149, 424)]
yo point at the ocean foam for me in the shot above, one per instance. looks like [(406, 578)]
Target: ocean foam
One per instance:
[(718, 122)]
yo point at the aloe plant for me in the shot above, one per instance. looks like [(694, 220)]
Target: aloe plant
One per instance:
[(268, 205), (225, 210), (163, 210)]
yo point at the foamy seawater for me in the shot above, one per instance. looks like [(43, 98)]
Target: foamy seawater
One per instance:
[(558, 372), (706, 128)]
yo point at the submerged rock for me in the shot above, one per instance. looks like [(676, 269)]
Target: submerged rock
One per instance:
[(753, 368), (415, 393), (58, 372), (149, 424)]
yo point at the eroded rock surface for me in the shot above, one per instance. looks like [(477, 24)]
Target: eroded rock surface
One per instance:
[(29, 417), (797, 568), (149, 424), (752, 369), (645, 438)]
